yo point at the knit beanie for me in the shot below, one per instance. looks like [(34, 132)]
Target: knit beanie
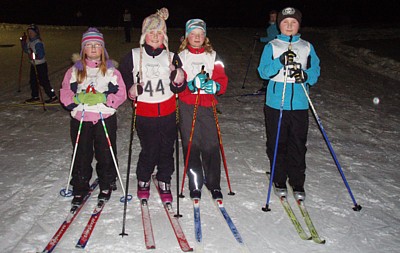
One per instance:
[(92, 34), (155, 22), (34, 28), (289, 12), (193, 24)]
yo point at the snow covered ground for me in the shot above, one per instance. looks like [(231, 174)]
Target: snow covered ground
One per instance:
[(36, 151)]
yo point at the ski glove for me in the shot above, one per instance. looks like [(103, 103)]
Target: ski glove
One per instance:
[(299, 75), (89, 98), (177, 77), (200, 80), (191, 86), (95, 98), (112, 88), (135, 90), (287, 58), (79, 98), (212, 87)]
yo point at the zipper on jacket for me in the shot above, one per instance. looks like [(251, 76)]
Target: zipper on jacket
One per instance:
[(291, 99)]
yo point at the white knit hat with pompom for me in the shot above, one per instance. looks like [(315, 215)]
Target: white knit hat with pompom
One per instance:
[(155, 22)]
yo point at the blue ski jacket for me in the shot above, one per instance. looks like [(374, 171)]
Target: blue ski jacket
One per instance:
[(271, 68)]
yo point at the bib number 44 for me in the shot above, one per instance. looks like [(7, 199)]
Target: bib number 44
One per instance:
[(151, 90)]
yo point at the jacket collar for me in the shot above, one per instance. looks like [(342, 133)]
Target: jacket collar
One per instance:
[(195, 50), (287, 38), (93, 63), (153, 51)]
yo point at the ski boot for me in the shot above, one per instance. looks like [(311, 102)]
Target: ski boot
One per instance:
[(32, 100), (77, 200), (104, 195), (280, 190), (298, 193), (165, 192), (216, 194), (143, 190), (195, 194), (52, 100)]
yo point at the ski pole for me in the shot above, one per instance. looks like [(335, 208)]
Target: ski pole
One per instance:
[(177, 155), (113, 157), (66, 192), (133, 124), (356, 207), (266, 208), (20, 65), (196, 106), (221, 147), (37, 80), (248, 65)]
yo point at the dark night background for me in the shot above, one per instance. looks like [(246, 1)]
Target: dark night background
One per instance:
[(217, 13)]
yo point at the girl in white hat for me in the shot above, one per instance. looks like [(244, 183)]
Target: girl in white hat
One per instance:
[(154, 75)]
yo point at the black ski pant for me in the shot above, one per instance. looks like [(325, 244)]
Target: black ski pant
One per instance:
[(93, 142), (43, 80), (157, 137), (291, 156), (204, 166)]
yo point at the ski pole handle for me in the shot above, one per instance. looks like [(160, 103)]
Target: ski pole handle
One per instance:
[(202, 71)]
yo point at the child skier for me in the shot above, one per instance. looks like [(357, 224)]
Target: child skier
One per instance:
[(34, 47), (288, 61), (92, 88), (153, 75), (197, 54)]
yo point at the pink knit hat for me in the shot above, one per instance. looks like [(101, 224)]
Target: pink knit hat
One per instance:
[(93, 34)]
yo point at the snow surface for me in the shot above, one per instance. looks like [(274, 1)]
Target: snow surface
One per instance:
[(36, 153)]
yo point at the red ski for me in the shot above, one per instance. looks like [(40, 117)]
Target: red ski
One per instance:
[(147, 227), (176, 226), (68, 220), (83, 240)]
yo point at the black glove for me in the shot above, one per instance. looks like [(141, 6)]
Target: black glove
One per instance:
[(299, 75), (111, 88), (287, 58)]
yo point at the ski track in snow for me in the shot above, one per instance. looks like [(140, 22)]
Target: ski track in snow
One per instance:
[(36, 152)]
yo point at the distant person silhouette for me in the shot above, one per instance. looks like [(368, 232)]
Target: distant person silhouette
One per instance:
[(127, 18), (34, 47)]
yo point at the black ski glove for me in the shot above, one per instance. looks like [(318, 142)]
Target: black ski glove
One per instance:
[(287, 58), (299, 75)]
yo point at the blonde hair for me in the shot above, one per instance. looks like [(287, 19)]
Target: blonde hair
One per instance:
[(206, 45), (81, 76)]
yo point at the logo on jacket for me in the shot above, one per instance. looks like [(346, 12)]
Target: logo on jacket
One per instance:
[(196, 67), (152, 70)]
